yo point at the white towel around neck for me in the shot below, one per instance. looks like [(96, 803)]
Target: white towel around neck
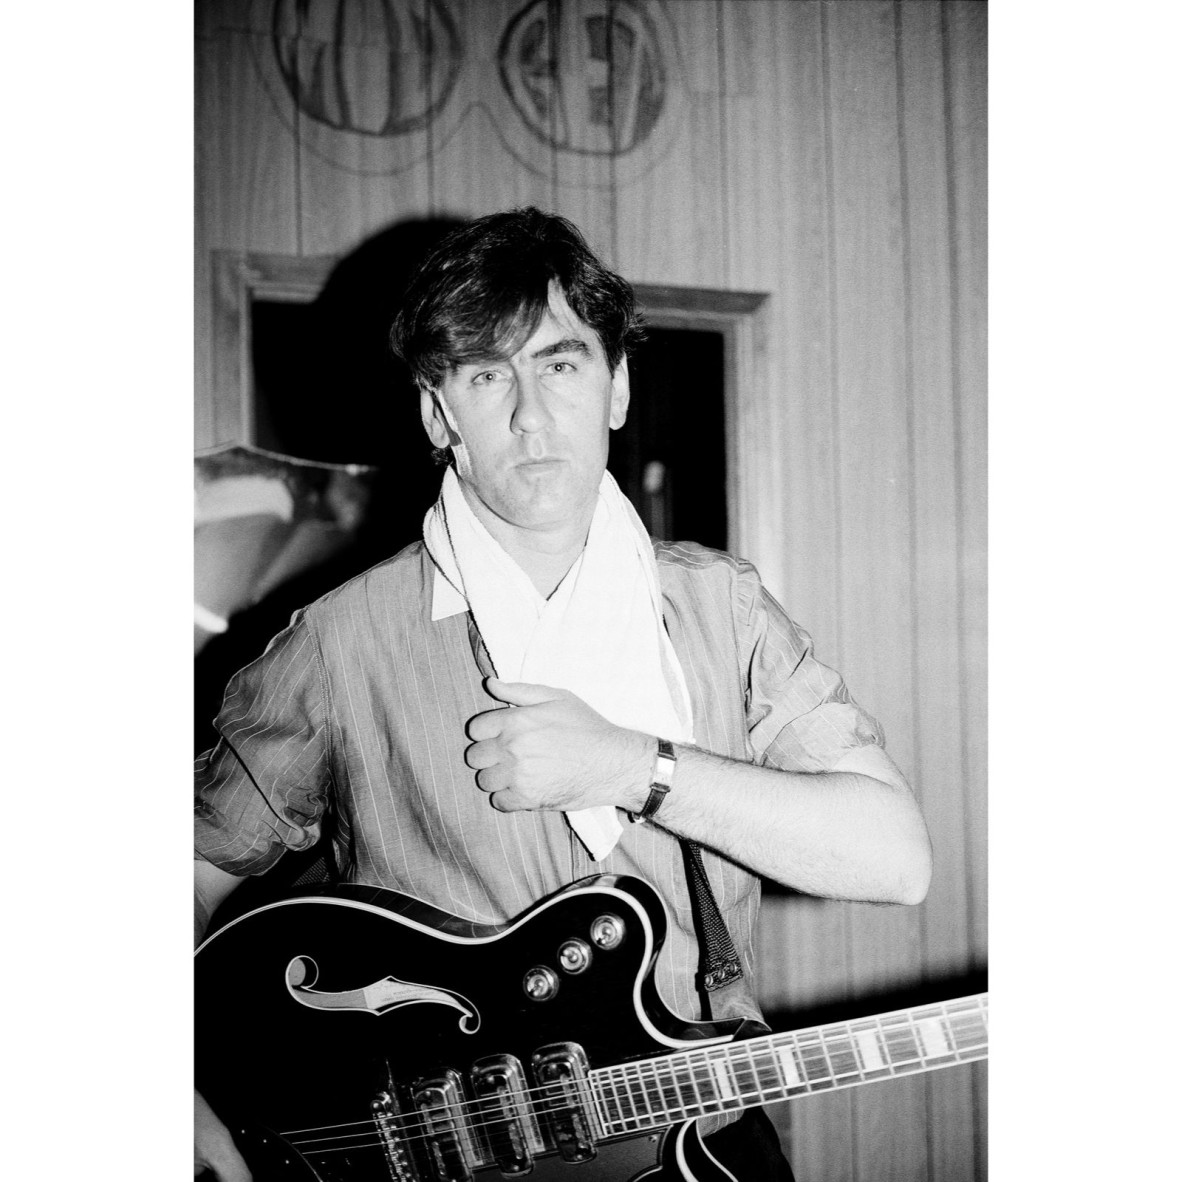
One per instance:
[(600, 634)]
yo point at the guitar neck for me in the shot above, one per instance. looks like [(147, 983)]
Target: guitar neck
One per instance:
[(653, 1093)]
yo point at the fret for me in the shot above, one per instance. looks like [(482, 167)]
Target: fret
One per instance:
[(967, 1023), (743, 1071), (765, 1068), (670, 1089), (627, 1111), (648, 1095), (901, 1044), (830, 1079), (695, 1062), (870, 1050), (816, 1065), (725, 1084), (790, 1068), (687, 1089), (607, 1103), (627, 1118), (667, 1089), (839, 1050), (932, 1039), (644, 1094)]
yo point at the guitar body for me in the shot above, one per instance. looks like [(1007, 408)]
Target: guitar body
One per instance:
[(355, 1034)]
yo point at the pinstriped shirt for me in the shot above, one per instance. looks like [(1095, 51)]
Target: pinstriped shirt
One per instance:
[(365, 698)]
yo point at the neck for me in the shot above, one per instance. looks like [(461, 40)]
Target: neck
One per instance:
[(545, 553)]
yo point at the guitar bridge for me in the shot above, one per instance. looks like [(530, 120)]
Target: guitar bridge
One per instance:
[(561, 1069), (386, 1115)]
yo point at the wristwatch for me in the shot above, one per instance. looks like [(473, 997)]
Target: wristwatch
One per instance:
[(662, 781)]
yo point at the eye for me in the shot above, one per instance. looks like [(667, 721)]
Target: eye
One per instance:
[(562, 367), (485, 377)]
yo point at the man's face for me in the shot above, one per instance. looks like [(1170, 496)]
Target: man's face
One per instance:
[(529, 433)]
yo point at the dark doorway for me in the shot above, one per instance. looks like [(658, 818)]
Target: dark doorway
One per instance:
[(320, 402), (670, 456)]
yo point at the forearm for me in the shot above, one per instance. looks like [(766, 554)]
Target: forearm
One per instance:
[(838, 834), (211, 886)]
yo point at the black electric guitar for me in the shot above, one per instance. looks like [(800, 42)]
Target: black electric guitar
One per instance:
[(355, 1034)]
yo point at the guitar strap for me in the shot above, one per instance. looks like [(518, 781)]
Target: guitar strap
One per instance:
[(719, 964)]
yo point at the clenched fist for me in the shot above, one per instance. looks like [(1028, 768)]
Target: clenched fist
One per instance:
[(552, 751)]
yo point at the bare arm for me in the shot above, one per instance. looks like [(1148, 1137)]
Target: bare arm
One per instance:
[(854, 833), (213, 1146), (851, 833), (211, 887)]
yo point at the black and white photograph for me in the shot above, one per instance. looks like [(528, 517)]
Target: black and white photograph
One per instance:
[(590, 487), (649, 523)]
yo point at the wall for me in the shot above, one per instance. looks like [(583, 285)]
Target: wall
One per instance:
[(830, 154)]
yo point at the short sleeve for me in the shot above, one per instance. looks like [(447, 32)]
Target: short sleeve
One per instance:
[(263, 787), (800, 715)]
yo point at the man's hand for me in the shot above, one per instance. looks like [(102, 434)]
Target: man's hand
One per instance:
[(554, 752), (213, 1147)]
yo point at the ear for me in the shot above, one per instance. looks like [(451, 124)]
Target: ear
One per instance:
[(435, 421), (620, 395)]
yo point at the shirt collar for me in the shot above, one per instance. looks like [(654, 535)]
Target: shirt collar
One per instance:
[(445, 599)]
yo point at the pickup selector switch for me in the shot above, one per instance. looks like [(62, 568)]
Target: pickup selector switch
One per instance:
[(607, 932), (574, 956), (541, 983)]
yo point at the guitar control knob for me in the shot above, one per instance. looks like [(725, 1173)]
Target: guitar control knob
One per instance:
[(574, 956), (541, 983), (607, 931)]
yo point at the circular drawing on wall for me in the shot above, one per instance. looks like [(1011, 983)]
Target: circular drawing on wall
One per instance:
[(592, 81), (361, 83), (370, 67)]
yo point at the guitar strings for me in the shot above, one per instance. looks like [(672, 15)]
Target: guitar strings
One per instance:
[(699, 1072), (686, 1070), (406, 1126)]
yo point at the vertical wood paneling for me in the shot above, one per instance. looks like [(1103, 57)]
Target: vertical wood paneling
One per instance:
[(472, 171), (671, 223), (965, 56), (777, 222), (353, 185), (939, 707), (965, 49), (874, 476), (246, 195), (831, 154), (584, 183), (939, 699)]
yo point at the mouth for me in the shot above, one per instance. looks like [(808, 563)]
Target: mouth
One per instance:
[(543, 464)]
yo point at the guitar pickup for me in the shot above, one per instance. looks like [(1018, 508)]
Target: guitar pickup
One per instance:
[(561, 1068), (450, 1144), (510, 1127)]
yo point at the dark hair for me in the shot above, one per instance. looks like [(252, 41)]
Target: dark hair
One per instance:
[(484, 289)]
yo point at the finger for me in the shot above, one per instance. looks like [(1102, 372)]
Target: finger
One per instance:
[(492, 779), (507, 801), (482, 755), (521, 693), (487, 725)]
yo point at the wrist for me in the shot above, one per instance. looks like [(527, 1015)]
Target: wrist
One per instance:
[(638, 774), (660, 780)]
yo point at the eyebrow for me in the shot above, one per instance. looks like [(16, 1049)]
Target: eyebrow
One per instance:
[(566, 345)]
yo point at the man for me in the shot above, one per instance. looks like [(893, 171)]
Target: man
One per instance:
[(645, 680)]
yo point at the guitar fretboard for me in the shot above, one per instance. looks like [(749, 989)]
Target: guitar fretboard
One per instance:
[(654, 1093)]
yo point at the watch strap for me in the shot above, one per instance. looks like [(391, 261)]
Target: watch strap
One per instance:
[(662, 780)]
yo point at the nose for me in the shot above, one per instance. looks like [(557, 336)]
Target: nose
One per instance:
[(530, 412)]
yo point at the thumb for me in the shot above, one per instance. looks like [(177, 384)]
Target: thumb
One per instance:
[(521, 693)]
